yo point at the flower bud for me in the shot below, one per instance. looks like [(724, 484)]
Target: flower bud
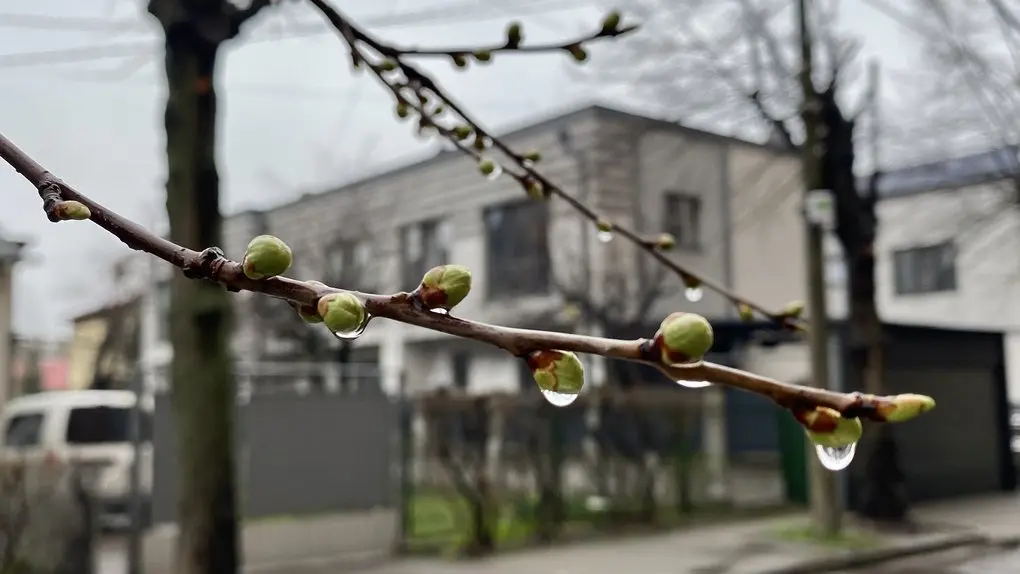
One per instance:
[(75, 210), (690, 281), (342, 312), (533, 156), (535, 188), (603, 225), (746, 312), (825, 427), (459, 60), (483, 55), (899, 408), (611, 23), (387, 65), (266, 256), (665, 242), (683, 338), (445, 286), (463, 132), (557, 371), (514, 35), (578, 52), (403, 111), (793, 310), (487, 167)]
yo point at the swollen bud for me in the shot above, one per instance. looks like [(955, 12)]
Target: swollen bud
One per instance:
[(904, 407), (266, 256), (535, 188), (445, 286), (342, 312), (557, 371), (463, 132), (387, 65), (459, 60), (514, 35), (483, 55), (603, 225), (72, 210), (611, 22), (746, 312), (665, 242), (834, 431), (402, 110), (578, 52), (793, 310), (487, 167), (683, 338), (690, 281), (533, 156)]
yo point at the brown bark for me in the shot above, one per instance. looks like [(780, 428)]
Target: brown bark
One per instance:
[(203, 392)]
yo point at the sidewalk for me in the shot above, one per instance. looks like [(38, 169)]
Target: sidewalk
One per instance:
[(747, 547)]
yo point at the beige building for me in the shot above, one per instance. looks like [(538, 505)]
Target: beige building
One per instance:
[(10, 253)]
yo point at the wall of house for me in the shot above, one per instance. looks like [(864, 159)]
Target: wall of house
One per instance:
[(88, 335), (6, 300)]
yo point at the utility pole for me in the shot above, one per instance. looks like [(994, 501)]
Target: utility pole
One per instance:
[(825, 500)]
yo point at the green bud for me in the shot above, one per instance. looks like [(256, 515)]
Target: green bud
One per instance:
[(388, 65), (665, 242), (683, 338), (514, 35), (403, 110), (557, 371), (578, 52), (266, 256), (463, 132), (76, 210), (342, 312), (845, 433), (533, 156), (535, 188), (487, 167), (900, 408), (308, 313), (746, 312), (793, 309), (481, 143), (445, 286), (690, 282), (611, 22), (603, 225), (483, 55)]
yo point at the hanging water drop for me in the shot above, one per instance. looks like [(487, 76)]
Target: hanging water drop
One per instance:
[(605, 236), (558, 399), (352, 335), (694, 294), (694, 384), (496, 172), (836, 458), (440, 311)]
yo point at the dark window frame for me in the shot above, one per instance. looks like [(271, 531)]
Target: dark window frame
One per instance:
[(354, 267), (433, 248), (107, 425), (925, 269), (517, 260), (674, 202)]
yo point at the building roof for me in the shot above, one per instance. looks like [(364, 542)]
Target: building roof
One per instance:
[(549, 122), (953, 173)]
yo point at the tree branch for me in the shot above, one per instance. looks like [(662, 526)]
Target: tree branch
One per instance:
[(413, 90), (211, 264)]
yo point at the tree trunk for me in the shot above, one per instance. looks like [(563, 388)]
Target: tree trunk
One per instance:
[(203, 392)]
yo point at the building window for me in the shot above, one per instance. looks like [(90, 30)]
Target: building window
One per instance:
[(929, 269), (461, 366), (348, 265), (424, 245), (517, 249), (682, 219), (163, 311)]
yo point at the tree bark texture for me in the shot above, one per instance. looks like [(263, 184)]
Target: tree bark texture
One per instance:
[(203, 390)]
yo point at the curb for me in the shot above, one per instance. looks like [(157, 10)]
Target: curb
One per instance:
[(879, 555)]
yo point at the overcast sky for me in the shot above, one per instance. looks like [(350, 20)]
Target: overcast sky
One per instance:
[(294, 119)]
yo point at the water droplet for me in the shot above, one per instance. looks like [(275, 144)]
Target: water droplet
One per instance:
[(440, 311), (694, 294), (605, 236), (559, 399), (527, 164), (836, 458), (352, 335), (498, 171), (694, 384)]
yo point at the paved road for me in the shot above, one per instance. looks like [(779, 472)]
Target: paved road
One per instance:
[(962, 561)]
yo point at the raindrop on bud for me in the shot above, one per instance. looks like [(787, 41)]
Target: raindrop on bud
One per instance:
[(605, 236), (558, 399), (498, 171), (694, 294), (694, 384), (836, 458), (440, 311)]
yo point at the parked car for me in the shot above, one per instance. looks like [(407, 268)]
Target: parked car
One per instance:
[(90, 431)]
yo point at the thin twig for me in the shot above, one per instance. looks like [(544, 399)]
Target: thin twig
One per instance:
[(404, 79), (212, 265)]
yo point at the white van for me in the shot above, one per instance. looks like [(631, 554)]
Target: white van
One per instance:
[(89, 429)]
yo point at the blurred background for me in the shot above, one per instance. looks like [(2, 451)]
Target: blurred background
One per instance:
[(405, 444)]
